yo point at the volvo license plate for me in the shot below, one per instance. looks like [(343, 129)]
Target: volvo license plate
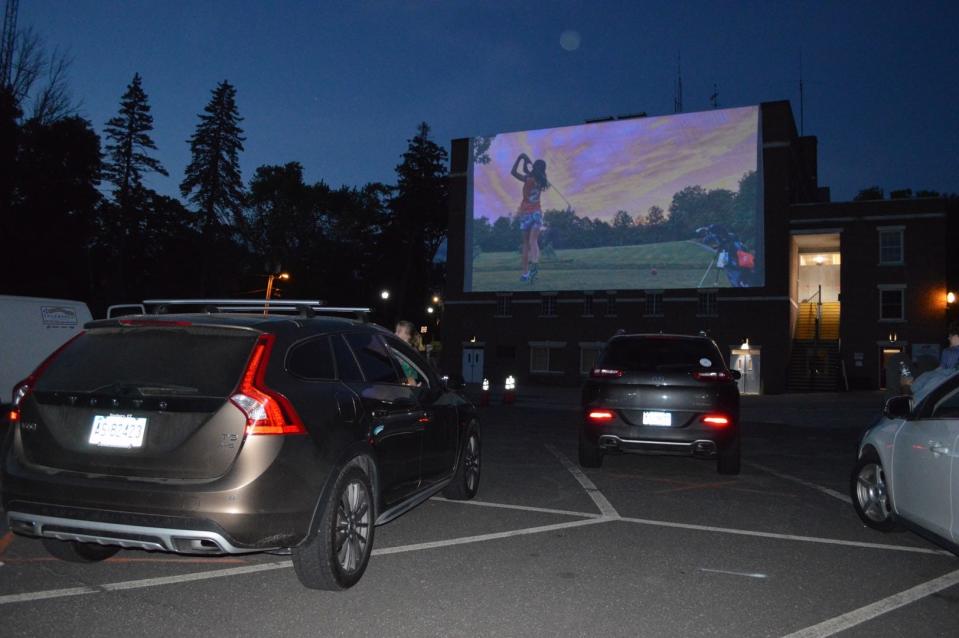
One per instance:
[(118, 430), (657, 418)]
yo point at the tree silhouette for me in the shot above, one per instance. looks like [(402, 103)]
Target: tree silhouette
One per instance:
[(212, 179), (128, 135), (419, 215)]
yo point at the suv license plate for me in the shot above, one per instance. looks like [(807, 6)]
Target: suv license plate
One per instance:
[(657, 418), (118, 430)]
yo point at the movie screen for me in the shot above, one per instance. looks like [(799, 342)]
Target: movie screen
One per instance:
[(645, 203)]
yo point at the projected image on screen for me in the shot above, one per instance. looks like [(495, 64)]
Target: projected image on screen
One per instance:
[(647, 203)]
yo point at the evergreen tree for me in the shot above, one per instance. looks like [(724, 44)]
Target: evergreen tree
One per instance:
[(419, 215), (128, 135), (212, 180)]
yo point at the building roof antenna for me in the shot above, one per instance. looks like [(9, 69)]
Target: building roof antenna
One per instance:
[(802, 101), (678, 95)]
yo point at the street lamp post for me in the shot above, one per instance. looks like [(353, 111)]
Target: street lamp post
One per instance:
[(283, 276)]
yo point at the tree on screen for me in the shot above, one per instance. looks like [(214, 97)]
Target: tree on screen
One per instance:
[(212, 180)]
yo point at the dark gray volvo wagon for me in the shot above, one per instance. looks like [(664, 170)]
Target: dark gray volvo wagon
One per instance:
[(217, 433)]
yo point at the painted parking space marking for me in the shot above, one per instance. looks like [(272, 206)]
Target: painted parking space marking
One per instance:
[(878, 608), (522, 508), (732, 573), (605, 507), (488, 537), (795, 479), (251, 569), (786, 537), (600, 500)]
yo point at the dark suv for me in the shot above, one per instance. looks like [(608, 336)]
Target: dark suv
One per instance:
[(226, 434), (665, 394)]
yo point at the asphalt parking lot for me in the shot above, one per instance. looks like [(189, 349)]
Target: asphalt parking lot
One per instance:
[(650, 546)]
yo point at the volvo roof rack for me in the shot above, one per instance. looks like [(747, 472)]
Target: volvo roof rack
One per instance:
[(302, 307)]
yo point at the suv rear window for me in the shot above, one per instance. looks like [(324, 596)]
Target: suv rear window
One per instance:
[(193, 361), (652, 354)]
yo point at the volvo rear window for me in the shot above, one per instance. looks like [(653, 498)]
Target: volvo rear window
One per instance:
[(373, 357), (196, 361), (661, 354)]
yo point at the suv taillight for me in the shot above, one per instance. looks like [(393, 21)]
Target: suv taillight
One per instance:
[(605, 373), (716, 420), (600, 416), (713, 375), (267, 411), (23, 389)]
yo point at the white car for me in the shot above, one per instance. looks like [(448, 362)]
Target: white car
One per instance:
[(907, 473)]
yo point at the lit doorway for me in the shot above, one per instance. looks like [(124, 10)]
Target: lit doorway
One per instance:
[(747, 359)]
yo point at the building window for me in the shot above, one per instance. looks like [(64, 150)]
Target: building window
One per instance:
[(654, 304), (504, 305), (611, 305), (707, 304), (546, 357), (890, 246), (548, 308), (892, 304), (588, 306), (588, 355)]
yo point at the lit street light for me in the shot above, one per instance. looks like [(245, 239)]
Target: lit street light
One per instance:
[(430, 310), (384, 295), (283, 276)]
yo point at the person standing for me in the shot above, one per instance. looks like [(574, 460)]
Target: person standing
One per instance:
[(950, 356), (530, 213)]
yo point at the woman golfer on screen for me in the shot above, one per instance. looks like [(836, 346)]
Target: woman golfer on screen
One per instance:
[(533, 176)]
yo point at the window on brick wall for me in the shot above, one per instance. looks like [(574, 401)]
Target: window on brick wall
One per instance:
[(504, 305), (611, 305), (546, 358), (548, 306), (588, 306), (707, 304), (891, 246), (654, 304), (892, 303), (588, 354)]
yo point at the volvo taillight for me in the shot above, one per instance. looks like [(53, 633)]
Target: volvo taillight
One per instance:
[(267, 411), (23, 389)]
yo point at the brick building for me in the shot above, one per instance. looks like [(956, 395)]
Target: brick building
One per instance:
[(847, 285)]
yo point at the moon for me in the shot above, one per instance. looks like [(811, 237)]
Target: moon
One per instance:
[(570, 40)]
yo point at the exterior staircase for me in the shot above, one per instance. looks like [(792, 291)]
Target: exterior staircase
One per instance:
[(814, 365)]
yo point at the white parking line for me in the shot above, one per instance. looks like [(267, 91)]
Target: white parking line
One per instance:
[(786, 537), (488, 537), (523, 508), (139, 584), (795, 479), (861, 615), (731, 573), (249, 569), (605, 507)]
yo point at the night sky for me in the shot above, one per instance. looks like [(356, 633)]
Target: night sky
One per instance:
[(341, 86)]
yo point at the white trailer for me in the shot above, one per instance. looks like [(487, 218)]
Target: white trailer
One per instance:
[(31, 328)]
